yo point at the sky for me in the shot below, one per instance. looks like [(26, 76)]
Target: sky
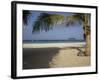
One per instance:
[(59, 32)]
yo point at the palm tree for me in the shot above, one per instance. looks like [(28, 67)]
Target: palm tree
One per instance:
[(46, 21)]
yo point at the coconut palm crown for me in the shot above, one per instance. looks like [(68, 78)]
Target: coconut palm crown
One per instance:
[(46, 21)]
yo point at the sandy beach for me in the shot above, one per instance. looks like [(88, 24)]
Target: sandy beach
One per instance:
[(54, 55), (48, 45)]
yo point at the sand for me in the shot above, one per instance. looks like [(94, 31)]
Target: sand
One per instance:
[(68, 58), (53, 56), (50, 45)]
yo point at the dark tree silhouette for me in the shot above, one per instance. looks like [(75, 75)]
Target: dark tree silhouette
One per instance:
[(26, 14)]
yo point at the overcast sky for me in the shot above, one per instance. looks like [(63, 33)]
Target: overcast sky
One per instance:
[(59, 32)]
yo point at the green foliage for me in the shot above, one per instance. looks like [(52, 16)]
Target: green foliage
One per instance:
[(46, 21)]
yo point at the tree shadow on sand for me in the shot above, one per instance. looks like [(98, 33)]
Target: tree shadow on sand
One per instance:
[(35, 58)]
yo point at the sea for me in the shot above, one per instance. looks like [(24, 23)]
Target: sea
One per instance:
[(52, 41)]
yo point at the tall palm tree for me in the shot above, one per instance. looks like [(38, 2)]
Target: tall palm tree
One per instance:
[(46, 21)]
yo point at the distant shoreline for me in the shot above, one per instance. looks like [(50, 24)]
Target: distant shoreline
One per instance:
[(52, 41)]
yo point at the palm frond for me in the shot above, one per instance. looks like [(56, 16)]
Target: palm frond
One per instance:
[(46, 21), (26, 14), (75, 18)]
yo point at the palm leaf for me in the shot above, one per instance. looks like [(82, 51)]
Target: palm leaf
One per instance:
[(46, 21), (26, 14), (75, 18)]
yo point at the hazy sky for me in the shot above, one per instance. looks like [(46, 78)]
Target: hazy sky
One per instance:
[(59, 32)]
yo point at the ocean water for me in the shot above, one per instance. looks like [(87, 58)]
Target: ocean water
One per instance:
[(52, 41)]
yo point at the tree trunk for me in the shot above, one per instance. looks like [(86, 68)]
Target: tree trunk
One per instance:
[(88, 45), (87, 36)]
